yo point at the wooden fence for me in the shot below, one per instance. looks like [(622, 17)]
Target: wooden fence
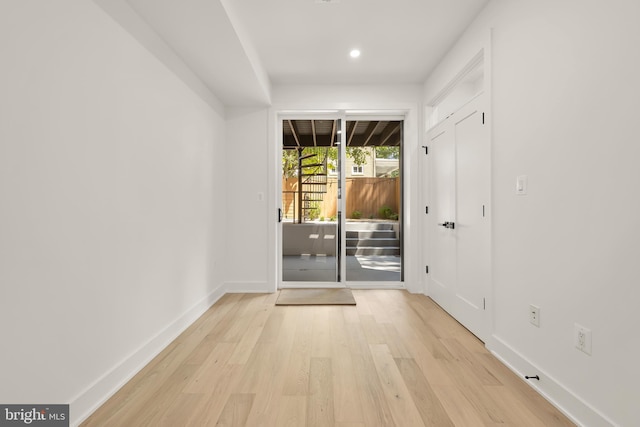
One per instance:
[(366, 195)]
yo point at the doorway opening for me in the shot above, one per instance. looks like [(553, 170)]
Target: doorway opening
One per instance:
[(341, 204)]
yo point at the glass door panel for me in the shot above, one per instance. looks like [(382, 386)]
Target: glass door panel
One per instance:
[(309, 204), (373, 210)]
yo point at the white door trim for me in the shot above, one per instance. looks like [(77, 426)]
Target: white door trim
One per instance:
[(413, 265), (481, 56)]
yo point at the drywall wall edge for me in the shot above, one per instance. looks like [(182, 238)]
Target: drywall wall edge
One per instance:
[(125, 16)]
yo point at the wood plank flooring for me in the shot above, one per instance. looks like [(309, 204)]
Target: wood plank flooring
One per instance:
[(395, 359)]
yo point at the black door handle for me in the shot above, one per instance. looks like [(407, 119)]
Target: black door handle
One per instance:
[(279, 215), (449, 225)]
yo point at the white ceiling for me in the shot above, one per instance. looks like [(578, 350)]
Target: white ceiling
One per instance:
[(239, 48), (306, 41)]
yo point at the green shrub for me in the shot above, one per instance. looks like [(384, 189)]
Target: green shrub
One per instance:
[(313, 213), (356, 215), (385, 212)]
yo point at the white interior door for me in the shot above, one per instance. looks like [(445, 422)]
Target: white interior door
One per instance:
[(472, 225), (443, 252), (461, 233)]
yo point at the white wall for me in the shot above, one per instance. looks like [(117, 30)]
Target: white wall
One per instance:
[(247, 201), (109, 165), (565, 96), (344, 97)]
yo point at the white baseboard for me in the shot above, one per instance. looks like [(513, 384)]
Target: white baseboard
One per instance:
[(104, 387), (579, 411), (248, 287)]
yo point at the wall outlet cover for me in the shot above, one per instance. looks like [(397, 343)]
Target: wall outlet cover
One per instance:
[(534, 315), (582, 338)]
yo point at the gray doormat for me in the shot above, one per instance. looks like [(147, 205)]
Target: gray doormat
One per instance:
[(330, 296)]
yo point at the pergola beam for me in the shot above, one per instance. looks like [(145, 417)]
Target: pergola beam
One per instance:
[(351, 132), (313, 132), (306, 141), (317, 134), (368, 133), (294, 131), (389, 130), (333, 133)]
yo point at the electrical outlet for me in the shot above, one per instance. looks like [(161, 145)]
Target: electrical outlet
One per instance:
[(582, 338), (534, 315)]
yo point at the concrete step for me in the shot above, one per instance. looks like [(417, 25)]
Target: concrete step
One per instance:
[(361, 226), (370, 234), (374, 251), (373, 242)]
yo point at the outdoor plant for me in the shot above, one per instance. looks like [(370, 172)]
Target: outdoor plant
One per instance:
[(356, 214), (385, 212), (314, 213)]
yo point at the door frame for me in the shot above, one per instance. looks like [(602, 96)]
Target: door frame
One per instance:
[(480, 57), (448, 294), (409, 113)]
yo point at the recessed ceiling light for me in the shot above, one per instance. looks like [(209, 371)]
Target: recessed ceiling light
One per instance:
[(354, 53)]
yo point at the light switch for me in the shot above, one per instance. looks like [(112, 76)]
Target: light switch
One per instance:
[(521, 185)]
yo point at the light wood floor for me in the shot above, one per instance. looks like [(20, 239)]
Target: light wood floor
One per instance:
[(395, 359)]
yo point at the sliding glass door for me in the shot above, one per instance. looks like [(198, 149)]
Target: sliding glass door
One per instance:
[(341, 201)]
